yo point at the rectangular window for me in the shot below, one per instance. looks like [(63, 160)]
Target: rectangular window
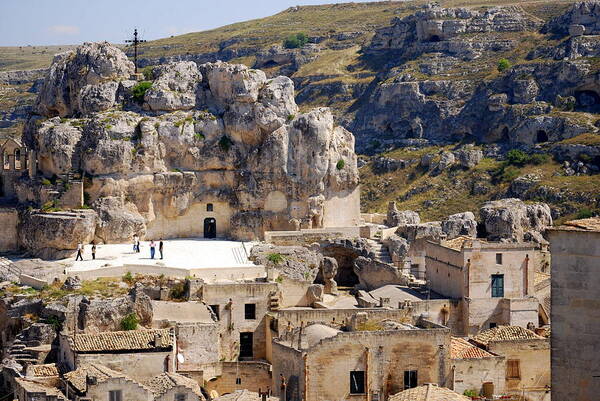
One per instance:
[(238, 380), (492, 325), (250, 311), (357, 382), (215, 310), (497, 285), (498, 258), (115, 395), (513, 369), (180, 397), (410, 379)]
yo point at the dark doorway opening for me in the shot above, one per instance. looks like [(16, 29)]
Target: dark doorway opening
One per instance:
[(541, 136), (246, 345), (270, 64), (435, 38), (504, 136), (210, 228)]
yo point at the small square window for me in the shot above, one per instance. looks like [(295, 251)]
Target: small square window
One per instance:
[(215, 310), (498, 258), (209, 207), (250, 311), (492, 325), (357, 382)]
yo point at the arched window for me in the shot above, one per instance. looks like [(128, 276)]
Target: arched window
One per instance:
[(17, 159), (209, 207)]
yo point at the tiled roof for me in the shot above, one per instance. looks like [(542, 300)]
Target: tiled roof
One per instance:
[(132, 340), (457, 243), (165, 381), (47, 370), (591, 224), (243, 395), (462, 349), (505, 333), (32, 386), (428, 392), (78, 378)]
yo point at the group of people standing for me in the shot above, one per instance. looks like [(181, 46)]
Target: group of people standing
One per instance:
[(136, 246)]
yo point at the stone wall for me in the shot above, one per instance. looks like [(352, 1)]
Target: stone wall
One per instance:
[(342, 209), (575, 317), (309, 236), (534, 363), (9, 220), (253, 375), (137, 365), (132, 391), (470, 374), (199, 343), (171, 394), (232, 320)]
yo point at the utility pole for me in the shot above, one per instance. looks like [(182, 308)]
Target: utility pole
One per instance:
[(135, 42)]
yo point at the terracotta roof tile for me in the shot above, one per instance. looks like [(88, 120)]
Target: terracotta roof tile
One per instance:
[(31, 386), (462, 349), (78, 378), (591, 224), (505, 333), (164, 382), (47, 370), (133, 340), (428, 392)]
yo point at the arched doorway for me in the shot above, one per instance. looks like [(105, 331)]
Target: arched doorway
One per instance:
[(210, 228)]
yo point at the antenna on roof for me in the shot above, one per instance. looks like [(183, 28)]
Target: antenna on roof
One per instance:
[(135, 42)]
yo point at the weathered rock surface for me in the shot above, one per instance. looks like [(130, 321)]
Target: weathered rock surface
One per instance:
[(398, 248), (51, 235), (215, 133), (329, 269), (396, 218), (460, 224), (582, 18), (83, 81), (296, 262), (429, 230), (373, 274), (513, 220)]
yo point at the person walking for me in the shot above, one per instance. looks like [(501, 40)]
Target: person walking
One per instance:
[(160, 248), (93, 251), (136, 243), (152, 249), (79, 252)]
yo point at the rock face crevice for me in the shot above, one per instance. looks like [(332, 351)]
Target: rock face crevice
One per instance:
[(216, 133)]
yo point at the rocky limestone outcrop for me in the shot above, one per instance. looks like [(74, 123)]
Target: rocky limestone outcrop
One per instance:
[(429, 230), (460, 224), (53, 235), (398, 248), (329, 269), (396, 218), (296, 262), (215, 133), (373, 274), (582, 18), (515, 221), (83, 81)]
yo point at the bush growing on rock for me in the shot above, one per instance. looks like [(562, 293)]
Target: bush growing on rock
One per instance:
[(148, 73), (340, 164), (503, 64), (225, 143), (275, 258), (295, 41), (130, 322), (139, 90)]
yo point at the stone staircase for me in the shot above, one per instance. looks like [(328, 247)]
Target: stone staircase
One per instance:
[(274, 302), (382, 253), (21, 355), (240, 255), (8, 271)]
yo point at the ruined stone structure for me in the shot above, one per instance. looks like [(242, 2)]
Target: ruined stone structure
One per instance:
[(215, 150), (575, 302), (17, 162)]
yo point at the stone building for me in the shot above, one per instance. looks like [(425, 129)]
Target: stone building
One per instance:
[(139, 354), (319, 362), (15, 164), (575, 248), (494, 280), (527, 358), (473, 366), (33, 390)]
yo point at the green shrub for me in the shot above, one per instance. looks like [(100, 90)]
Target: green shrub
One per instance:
[(225, 143), (275, 258), (46, 182), (503, 64), (55, 322), (128, 278), (130, 322), (148, 73), (139, 90), (509, 173), (340, 164), (200, 136), (517, 157), (295, 41), (470, 393), (539, 158), (585, 214), (290, 117), (178, 291)]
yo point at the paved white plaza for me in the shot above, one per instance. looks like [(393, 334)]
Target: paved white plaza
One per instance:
[(189, 254)]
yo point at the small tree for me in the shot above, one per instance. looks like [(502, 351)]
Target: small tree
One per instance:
[(130, 322), (503, 64), (517, 157), (295, 41), (139, 90)]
